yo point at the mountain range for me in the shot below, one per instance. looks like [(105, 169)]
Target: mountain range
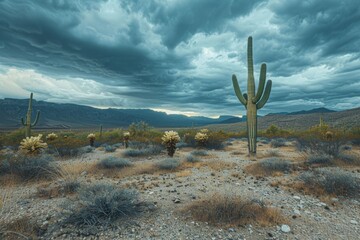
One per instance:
[(66, 116), (59, 116)]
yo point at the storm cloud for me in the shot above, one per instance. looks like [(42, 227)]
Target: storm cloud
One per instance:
[(179, 55)]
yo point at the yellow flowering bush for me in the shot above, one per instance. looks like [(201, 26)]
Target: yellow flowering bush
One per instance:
[(32, 145), (51, 136), (169, 139)]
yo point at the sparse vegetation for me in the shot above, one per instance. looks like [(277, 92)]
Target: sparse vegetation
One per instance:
[(232, 210), (269, 166), (29, 167), (199, 153), (191, 158), (102, 204), (113, 162), (169, 164), (278, 142), (330, 181)]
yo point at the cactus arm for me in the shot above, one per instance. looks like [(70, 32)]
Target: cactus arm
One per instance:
[(262, 79), (238, 91), (245, 96), (23, 122), (266, 95), (36, 119)]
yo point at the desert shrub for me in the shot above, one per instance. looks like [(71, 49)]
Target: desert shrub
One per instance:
[(12, 138), (191, 158), (263, 140), (68, 151), (32, 167), (331, 181), (230, 209), (319, 147), (275, 165), (114, 162), (70, 186), (216, 140), (278, 142), (110, 148), (199, 153), (117, 145), (320, 159), (349, 158), (56, 190), (181, 145), (4, 166), (168, 164), (20, 228), (102, 204), (272, 153), (149, 150), (345, 148), (86, 149)]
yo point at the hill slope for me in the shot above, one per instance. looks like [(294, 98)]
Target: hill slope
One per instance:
[(54, 115), (343, 119)]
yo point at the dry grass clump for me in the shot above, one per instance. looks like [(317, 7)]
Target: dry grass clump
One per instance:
[(330, 181), (114, 162), (218, 165), (269, 167), (272, 153), (21, 228), (230, 210)]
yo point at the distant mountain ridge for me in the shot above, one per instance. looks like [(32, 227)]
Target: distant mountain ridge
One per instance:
[(315, 110), (64, 115)]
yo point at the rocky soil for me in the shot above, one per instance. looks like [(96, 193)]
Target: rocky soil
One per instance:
[(167, 194)]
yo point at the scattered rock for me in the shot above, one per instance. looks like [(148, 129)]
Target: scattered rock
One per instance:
[(285, 228), (354, 222)]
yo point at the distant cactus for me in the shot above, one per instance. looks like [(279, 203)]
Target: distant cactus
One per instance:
[(27, 123), (51, 136), (126, 139), (252, 101), (202, 137), (91, 138), (100, 131)]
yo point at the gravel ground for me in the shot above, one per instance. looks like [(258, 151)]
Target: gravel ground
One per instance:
[(168, 193)]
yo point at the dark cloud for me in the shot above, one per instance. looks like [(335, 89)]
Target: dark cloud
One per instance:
[(181, 54)]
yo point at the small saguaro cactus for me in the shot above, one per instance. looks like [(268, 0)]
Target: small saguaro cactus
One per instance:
[(126, 139), (252, 101), (27, 123)]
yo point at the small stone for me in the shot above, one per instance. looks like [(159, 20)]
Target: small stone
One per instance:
[(231, 230), (297, 212), (83, 173), (177, 200), (354, 222), (285, 228), (297, 197)]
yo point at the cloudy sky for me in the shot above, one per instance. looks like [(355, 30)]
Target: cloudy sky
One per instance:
[(178, 55)]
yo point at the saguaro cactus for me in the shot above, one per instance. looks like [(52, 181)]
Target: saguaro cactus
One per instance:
[(27, 123), (252, 101)]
